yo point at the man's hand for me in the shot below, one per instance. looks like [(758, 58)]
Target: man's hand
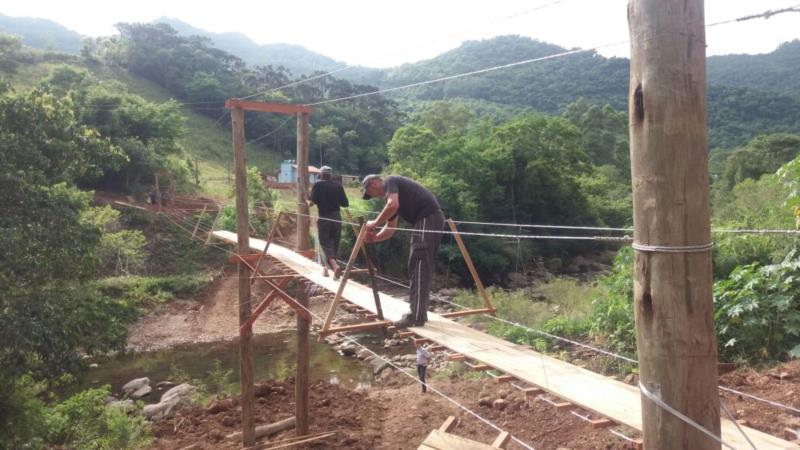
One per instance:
[(371, 225), (371, 236)]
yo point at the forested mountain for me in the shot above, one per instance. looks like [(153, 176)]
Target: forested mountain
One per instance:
[(42, 33), (298, 59), (776, 71)]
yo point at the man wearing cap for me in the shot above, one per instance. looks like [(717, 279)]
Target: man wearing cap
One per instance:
[(329, 196), (418, 206)]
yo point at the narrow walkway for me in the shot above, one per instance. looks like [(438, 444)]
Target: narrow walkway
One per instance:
[(589, 390)]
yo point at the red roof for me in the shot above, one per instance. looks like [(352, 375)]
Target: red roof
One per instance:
[(311, 169)]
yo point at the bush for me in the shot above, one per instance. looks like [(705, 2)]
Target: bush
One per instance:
[(757, 310), (612, 320), (148, 291), (84, 421)]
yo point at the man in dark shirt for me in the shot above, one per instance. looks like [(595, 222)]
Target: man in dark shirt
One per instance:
[(329, 196), (418, 206)]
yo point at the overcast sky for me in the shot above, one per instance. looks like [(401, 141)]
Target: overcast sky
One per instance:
[(382, 33)]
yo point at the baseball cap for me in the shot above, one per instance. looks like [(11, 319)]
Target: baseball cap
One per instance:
[(367, 180), (325, 169)]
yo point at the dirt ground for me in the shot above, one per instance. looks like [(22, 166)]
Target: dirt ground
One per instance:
[(393, 414)]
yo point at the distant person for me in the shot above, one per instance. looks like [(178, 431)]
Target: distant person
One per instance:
[(329, 197), (423, 358), (418, 206)]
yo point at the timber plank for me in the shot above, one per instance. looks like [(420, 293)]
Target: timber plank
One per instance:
[(440, 440), (585, 389)]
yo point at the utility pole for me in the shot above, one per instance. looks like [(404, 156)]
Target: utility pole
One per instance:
[(303, 221), (243, 240), (672, 274)]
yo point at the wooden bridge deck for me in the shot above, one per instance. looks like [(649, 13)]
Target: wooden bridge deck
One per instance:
[(591, 391)]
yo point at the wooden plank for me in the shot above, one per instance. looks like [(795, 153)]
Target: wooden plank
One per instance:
[(456, 357), (501, 440), (437, 348), (301, 375), (266, 246), (303, 215), (440, 440), (468, 312), (602, 423), (356, 327), (505, 378), (586, 389), (448, 424), (343, 282), (532, 392), (487, 302), (405, 334), (279, 108), (478, 367), (199, 219)]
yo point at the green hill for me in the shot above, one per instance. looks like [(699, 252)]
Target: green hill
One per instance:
[(42, 33), (298, 59)]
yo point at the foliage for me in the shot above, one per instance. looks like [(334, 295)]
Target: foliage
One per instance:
[(118, 248), (612, 320), (84, 421), (22, 412), (763, 154), (142, 291), (758, 311)]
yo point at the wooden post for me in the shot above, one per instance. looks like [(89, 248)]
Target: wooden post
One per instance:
[(487, 302), (669, 167), (243, 239), (199, 219), (301, 377), (213, 225), (303, 219)]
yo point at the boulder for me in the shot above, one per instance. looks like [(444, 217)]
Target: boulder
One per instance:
[(134, 385), (363, 354), (165, 385), (499, 404), (485, 401), (379, 365), (348, 349), (174, 398), (141, 392)]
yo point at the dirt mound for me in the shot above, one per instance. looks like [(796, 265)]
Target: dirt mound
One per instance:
[(354, 415)]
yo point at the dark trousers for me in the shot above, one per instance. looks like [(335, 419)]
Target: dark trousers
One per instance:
[(330, 233), (424, 246), (421, 372)]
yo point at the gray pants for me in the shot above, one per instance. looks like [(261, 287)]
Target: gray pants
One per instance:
[(424, 246), (330, 233)]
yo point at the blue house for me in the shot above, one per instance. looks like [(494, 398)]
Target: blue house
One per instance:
[(288, 173)]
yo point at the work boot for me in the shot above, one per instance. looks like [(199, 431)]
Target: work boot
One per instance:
[(408, 321)]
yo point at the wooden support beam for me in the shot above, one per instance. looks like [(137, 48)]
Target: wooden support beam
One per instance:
[(243, 240), (487, 302), (199, 219), (456, 357), (532, 392), (303, 216), (266, 246), (213, 225), (673, 306), (505, 378), (343, 282), (405, 334), (602, 423), (248, 324), (478, 367), (279, 276), (448, 424), (563, 406), (356, 327), (421, 341), (468, 312), (437, 348), (301, 375), (502, 440)]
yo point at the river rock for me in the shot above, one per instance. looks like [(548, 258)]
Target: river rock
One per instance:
[(348, 349), (165, 385), (174, 398), (499, 404), (379, 365), (363, 354), (136, 384), (126, 406), (141, 392)]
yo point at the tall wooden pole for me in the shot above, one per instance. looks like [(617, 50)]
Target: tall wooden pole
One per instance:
[(669, 167), (243, 235), (303, 221), (301, 377)]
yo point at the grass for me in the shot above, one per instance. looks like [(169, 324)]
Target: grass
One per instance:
[(148, 291)]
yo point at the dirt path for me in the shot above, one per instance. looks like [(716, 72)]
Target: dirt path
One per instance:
[(213, 317)]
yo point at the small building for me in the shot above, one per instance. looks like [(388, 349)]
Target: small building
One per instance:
[(288, 173), (348, 180)]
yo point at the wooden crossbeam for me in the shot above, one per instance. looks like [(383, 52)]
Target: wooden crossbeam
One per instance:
[(456, 357), (468, 312), (478, 367), (248, 324), (199, 219), (505, 378), (448, 424), (436, 348), (405, 334), (356, 327), (501, 440), (421, 341), (280, 108)]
